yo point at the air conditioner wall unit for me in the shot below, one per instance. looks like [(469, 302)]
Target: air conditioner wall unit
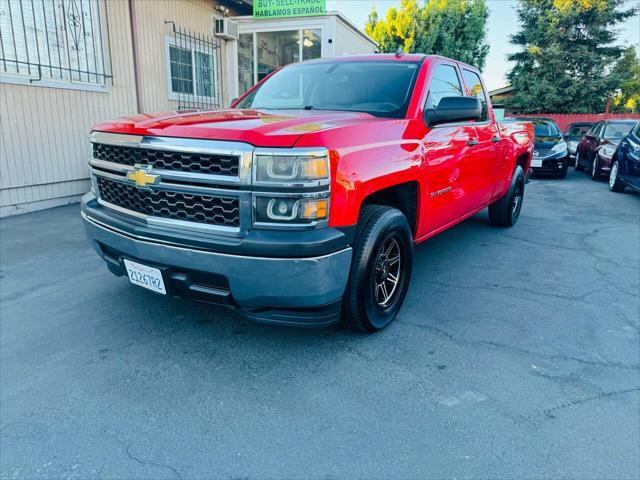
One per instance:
[(225, 28)]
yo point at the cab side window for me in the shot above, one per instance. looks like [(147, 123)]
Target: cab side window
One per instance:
[(444, 83), (474, 88)]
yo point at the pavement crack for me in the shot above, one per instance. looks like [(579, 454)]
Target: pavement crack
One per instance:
[(127, 449), (509, 292), (524, 351), (549, 412)]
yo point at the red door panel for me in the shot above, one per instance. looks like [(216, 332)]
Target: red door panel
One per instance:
[(480, 168), (448, 155)]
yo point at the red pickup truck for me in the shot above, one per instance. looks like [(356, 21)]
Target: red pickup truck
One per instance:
[(301, 204)]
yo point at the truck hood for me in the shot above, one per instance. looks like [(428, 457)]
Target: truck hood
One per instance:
[(262, 128)]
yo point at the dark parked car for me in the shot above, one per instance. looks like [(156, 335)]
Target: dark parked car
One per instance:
[(550, 154), (625, 170), (599, 144), (574, 133)]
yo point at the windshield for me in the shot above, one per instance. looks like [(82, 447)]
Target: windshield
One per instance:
[(617, 130), (376, 87), (545, 129)]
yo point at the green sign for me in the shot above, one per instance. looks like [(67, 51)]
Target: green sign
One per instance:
[(288, 8)]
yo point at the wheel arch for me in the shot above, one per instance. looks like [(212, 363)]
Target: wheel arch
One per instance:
[(523, 160), (403, 196)]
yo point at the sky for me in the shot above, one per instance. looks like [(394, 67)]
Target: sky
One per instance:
[(501, 24)]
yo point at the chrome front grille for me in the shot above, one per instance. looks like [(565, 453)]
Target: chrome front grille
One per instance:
[(174, 182), (207, 209), (213, 164)]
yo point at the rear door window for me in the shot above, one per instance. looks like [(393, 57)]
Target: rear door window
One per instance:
[(474, 87)]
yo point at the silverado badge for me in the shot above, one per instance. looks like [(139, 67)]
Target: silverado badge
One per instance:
[(141, 176)]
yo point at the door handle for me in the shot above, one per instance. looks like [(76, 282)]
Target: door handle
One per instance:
[(472, 142), (495, 139)]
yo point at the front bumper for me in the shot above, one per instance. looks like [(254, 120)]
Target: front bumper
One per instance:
[(604, 164), (551, 164), (302, 291)]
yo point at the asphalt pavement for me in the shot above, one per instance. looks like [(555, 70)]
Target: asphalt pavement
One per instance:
[(516, 355)]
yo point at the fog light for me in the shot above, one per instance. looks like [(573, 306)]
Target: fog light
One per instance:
[(282, 208)]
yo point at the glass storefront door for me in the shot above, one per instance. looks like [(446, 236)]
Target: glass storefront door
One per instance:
[(261, 53), (311, 44), (276, 49)]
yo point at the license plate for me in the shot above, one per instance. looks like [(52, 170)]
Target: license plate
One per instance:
[(144, 276), (536, 162)]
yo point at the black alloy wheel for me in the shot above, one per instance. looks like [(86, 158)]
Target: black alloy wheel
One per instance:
[(516, 199), (388, 272), (380, 269)]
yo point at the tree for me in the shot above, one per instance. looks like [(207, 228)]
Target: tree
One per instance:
[(452, 28), (627, 70), (566, 55)]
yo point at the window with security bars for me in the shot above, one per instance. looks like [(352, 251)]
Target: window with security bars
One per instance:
[(192, 73), (52, 40), (192, 69)]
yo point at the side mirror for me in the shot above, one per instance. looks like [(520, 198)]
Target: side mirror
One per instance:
[(454, 109)]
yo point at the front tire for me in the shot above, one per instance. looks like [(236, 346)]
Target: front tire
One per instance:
[(505, 211), (595, 169), (380, 269), (615, 184)]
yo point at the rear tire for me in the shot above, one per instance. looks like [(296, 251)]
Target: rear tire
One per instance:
[(578, 165), (615, 184), (505, 211), (382, 253)]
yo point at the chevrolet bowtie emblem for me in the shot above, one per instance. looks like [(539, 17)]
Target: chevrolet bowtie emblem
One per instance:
[(141, 177)]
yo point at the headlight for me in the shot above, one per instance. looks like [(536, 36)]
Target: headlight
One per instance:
[(291, 168), (573, 145), (559, 147), (607, 151), (294, 187), (291, 208)]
